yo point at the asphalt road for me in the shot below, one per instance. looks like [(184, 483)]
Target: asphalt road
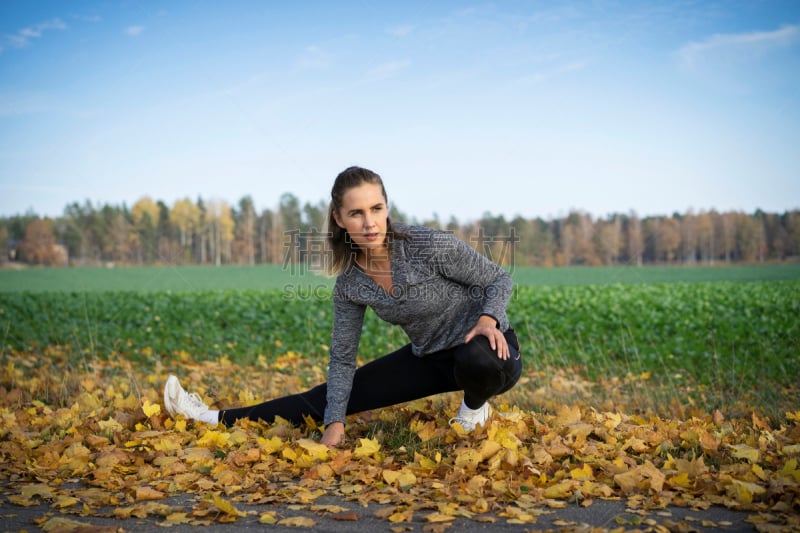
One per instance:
[(602, 514)]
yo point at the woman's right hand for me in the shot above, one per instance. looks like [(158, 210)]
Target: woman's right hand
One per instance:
[(334, 435)]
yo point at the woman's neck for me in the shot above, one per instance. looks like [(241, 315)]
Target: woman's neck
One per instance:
[(375, 260)]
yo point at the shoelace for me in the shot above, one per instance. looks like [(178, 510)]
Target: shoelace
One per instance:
[(465, 423), (193, 400)]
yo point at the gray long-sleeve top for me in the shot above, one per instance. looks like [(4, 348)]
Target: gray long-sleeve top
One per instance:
[(441, 286)]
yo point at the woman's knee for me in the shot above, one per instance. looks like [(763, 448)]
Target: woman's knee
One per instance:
[(477, 364)]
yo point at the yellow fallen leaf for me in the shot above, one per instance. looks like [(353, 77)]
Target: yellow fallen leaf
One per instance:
[(178, 518), (743, 451), (583, 473), (41, 490), (792, 449), (58, 523), (406, 515), (214, 439), (268, 518), (147, 494), (566, 415), (611, 420), (297, 521), (226, 507), (150, 409), (366, 448), (64, 501), (469, 459), (316, 450), (559, 490), (790, 470), (439, 517), (271, 445), (744, 491), (681, 480)]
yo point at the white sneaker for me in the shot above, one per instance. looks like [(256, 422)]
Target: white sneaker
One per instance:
[(179, 402), (469, 418)]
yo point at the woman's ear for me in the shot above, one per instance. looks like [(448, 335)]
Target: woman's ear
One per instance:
[(336, 219)]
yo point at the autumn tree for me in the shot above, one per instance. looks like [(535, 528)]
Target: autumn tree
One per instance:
[(220, 224), (608, 239), (185, 216), (83, 233), (634, 239), (121, 242), (196, 233), (688, 241), (245, 232), (667, 237), (290, 222), (4, 248), (706, 239), (750, 241), (269, 237), (726, 229), (145, 213), (39, 246), (792, 221)]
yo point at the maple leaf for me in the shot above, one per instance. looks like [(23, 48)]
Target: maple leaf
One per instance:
[(582, 473), (226, 507), (567, 415), (743, 451), (214, 439), (150, 409), (367, 448), (316, 450), (560, 490), (148, 493), (403, 478)]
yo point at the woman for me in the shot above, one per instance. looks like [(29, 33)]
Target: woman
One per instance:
[(450, 300)]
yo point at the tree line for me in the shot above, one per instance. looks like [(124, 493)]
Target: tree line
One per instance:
[(216, 233)]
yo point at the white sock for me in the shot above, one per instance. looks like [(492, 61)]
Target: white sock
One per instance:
[(465, 410), (210, 417)]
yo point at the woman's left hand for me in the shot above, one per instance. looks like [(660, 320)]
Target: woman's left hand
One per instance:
[(487, 326)]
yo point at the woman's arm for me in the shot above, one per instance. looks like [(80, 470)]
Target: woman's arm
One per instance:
[(487, 326), (456, 260), (348, 317), (334, 435)]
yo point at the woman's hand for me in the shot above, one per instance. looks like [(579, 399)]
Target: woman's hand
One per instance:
[(487, 326), (334, 435)]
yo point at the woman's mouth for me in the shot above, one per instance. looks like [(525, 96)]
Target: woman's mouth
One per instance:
[(371, 236)]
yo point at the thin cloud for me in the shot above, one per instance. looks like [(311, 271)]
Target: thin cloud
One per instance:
[(755, 42), (556, 71), (401, 31), (387, 70), (134, 31), (88, 18), (315, 58), (24, 36)]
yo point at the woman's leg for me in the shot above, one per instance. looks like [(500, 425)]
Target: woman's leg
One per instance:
[(401, 377), (481, 374), (293, 408), (394, 378)]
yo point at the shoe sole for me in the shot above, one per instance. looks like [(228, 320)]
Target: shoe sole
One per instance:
[(167, 401)]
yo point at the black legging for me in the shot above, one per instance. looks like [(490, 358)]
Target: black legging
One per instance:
[(400, 377)]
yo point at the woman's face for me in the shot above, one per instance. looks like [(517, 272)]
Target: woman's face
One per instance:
[(363, 215)]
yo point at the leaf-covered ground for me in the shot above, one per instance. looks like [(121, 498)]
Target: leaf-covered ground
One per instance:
[(102, 423)]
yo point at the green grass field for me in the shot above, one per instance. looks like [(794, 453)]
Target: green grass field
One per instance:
[(267, 277)]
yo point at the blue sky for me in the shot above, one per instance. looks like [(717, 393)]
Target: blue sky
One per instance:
[(516, 108)]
